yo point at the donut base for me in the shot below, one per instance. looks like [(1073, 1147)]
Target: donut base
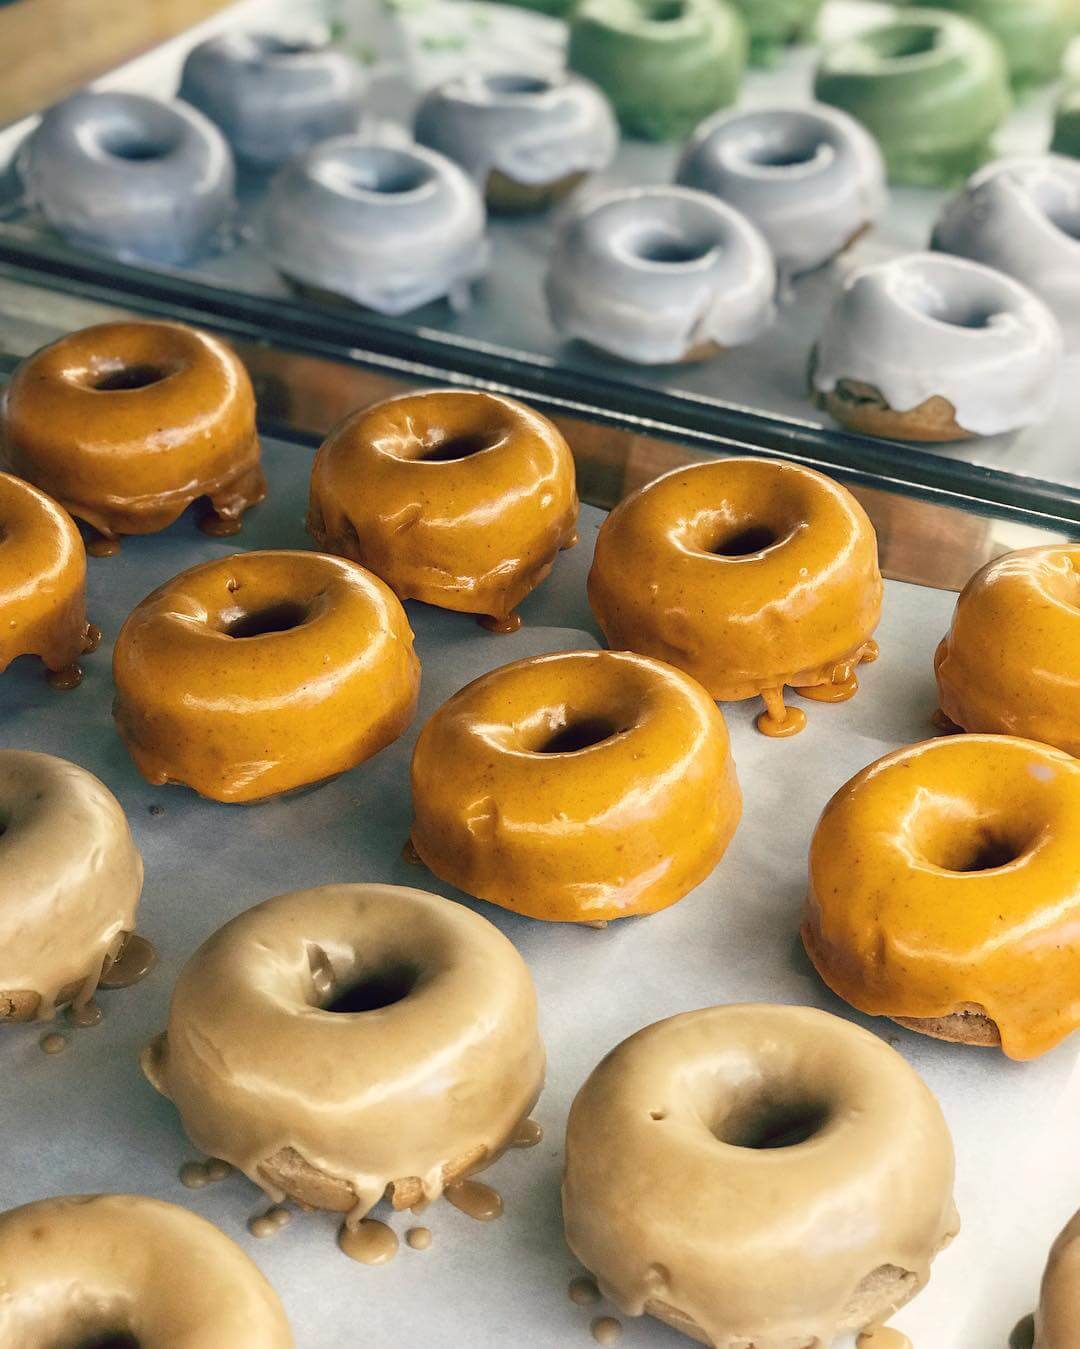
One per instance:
[(968, 1025), (861, 407), (23, 1005), (506, 196)]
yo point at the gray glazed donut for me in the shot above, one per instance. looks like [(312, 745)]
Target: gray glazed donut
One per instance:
[(658, 275), (131, 176), (273, 98), (388, 227)]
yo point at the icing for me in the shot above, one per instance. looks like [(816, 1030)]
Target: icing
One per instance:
[(1033, 33), (774, 24), (1057, 1320)]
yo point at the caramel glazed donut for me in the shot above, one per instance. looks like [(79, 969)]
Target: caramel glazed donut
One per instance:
[(758, 1176), (126, 424), (350, 1042)]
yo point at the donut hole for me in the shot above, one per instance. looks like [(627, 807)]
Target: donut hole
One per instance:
[(665, 11), (373, 990), (791, 146), (973, 848), (382, 170), (965, 314), (454, 448), (746, 541), (523, 86), (767, 1124), (665, 248), (137, 145), (280, 617), (271, 44), (578, 735), (902, 41), (115, 1339), (119, 378)]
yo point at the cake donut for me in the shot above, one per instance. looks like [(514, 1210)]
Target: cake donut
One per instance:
[(578, 787), (1057, 1318), (944, 889), (758, 1175), (70, 881), (353, 1041), (659, 275), (526, 140), (273, 97), (1066, 139), (128, 424), (461, 499), (386, 227), (750, 576), (811, 179), (131, 176), (928, 347), (665, 64), (931, 86), (1009, 662), (775, 24), (121, 1269), (1033, 33), (256, 674)]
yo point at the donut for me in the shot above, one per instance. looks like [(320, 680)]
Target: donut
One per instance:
[(932, 87), (47, 619), (1020, 216), (69, 887), (943, 892), (576, 788), (659, 275), (526, 140), (811, 179), (352, 1041), (461, 499), (749, 575), (1033, 33), (1057, 1319), (256, 674), (665, 64), (131, 176), (119, 1269), (273, 97), (127, 424), (1009, 663), (382, 226), (1066, 139), (756, 1175), (776, 24), (928, 347)]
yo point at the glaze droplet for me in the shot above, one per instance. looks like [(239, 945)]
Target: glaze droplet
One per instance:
[(193, 1176), (84, 1014), (475, 1200), (882, 1337), (53, 1043), (70, 677), (419, 1238), (583, 1291), (410, 855), (91, 638), (528, 1134), (268, 1224), (370, 1242), (510, 623), (1023, 1333), (135, 961), (218, 527), (97, 545), (606, 1330)]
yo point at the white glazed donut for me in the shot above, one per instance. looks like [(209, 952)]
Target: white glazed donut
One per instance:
[(388, 227), (273, 97), (661, 274), (811, 179), (131, 176), (1022, 216)]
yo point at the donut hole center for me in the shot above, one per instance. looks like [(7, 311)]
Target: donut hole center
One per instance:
[(120, 378), (789, 148), (903, 41), (270, 44), (136, 146), (523, 86), (280, 617), (583, 733), (665, 11), (388, 172), (746, 541), (664, 248), (966, 314), (373, 990), (978, 847), (765, 1125), (118, 1339), (454, 448)]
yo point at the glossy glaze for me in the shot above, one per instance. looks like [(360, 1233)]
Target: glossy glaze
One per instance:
[(775, 24), (1057, 1320), (327, 679), (1033, 33), (509, 809)]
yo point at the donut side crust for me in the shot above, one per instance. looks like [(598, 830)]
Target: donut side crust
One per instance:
[(968, 1025), (863, 408)]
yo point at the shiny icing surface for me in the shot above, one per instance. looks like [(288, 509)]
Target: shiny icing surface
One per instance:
[(943, 877), (1034, 34), (130, 175), (577, 787), (1010, 663), (117, 1269), (404, 1093), (384, 226), (777, 23), (753, 1174), (252, 675), (657, 275), (1057, 1320), (461, 499)]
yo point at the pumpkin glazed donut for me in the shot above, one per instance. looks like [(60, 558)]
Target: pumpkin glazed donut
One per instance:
[(458, 498), (126, 424), (578, 787), (256, 674), (749, 575), (944, 888)]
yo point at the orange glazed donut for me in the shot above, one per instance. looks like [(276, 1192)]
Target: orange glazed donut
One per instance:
[(749, 575), (460, 499), (126, 424), (1011, 661), (945, 892), (42, 584), (256, 674), (577, 787)]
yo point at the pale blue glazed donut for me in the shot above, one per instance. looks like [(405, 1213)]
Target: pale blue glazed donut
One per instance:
[(130, 176), (273, 98)]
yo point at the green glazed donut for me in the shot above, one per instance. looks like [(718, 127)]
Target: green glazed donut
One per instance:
[(1067, 124), (932, 87), (665, 64), (775, 24), (1034, 33)]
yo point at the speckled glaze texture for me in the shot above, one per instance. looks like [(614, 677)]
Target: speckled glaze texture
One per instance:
[(131, 176), (1057, 1318), (386, 227), (326, 678), (686, 1200), (931, 86), (1067, 124), (659, 275), (273, 98), (1033, 33), (811, 179), (664, 64), (458, 498), (1010, 663), (944, 878), (509, 808), (775, 24)]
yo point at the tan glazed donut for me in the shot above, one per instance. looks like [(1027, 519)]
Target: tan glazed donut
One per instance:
[(110, 1270), (1057, 1320)]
